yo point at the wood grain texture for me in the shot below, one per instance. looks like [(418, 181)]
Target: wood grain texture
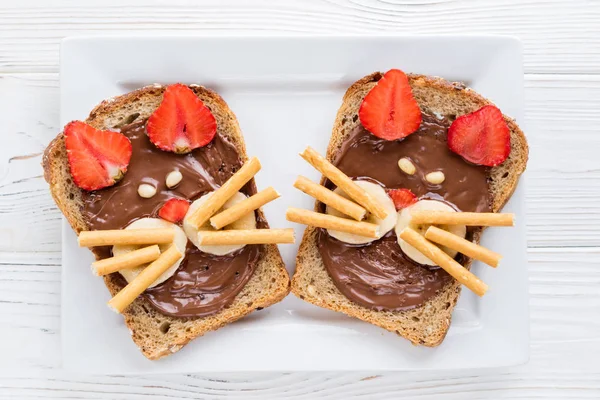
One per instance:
[(561, 342), (561, 42), (558, 36)]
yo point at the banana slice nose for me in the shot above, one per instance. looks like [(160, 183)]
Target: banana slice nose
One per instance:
[(404, 221), (144, 223), (385, 225), (248, 221)]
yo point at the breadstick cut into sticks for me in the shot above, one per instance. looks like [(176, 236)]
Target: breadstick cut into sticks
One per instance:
[(326, 221), (125, 237), (446, 262), (250, 236), (220, 196), (330, 198), (342, 181), (124, 261), (461, 218), (141, 282), (244, 207), (463, 246)]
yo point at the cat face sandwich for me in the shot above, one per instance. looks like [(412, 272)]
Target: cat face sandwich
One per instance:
[(415, 169), (158, 184)]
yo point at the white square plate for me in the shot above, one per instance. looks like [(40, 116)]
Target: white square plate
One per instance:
[(286, 92)]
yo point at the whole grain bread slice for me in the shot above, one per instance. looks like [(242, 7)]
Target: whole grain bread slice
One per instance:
[(428, 324), (158, 335)]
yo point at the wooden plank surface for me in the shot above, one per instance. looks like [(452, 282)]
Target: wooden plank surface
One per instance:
[(561, 42), (558, 36)]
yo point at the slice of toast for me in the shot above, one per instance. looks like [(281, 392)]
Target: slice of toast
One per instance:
[(427, 324), (158, 335)]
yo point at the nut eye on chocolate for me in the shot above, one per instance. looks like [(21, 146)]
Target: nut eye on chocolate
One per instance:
[(447, 160)]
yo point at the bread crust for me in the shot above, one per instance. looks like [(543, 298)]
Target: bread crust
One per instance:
[(427, 324), (159, 335)]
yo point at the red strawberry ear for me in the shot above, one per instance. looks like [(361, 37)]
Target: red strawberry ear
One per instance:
[(481, 137), (182, 122), (97, 159), (389, 111)]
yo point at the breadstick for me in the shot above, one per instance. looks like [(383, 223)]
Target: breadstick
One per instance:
[(220, 196), (141, 282), (342, 181), (463, 246), (244, 207), (330, 198), (442, 259), (125, 236), (128, 260), (249, 236), (326, 221), (461, 218)]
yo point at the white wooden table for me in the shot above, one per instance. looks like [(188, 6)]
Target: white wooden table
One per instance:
[(561, 41)]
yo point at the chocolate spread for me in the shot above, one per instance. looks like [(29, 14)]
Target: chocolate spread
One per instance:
[(378, 275), (204, 283)]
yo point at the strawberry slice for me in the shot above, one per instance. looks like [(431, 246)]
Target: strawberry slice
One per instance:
[(174, 210), (182, 122), (97, 159), (389, 111), (481, 137), (402, 198)]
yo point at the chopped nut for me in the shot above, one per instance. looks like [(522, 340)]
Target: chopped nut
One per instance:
[(146, 190), (435, 178), (407, 166), (173, 179), (311, 290)]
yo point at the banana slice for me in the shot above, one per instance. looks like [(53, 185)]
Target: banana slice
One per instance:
[(145, 223), (248, 221), (385, 225), (404, 221)]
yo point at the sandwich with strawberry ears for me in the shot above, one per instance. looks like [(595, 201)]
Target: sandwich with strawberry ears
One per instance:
[(415, 169), (158, 184)]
